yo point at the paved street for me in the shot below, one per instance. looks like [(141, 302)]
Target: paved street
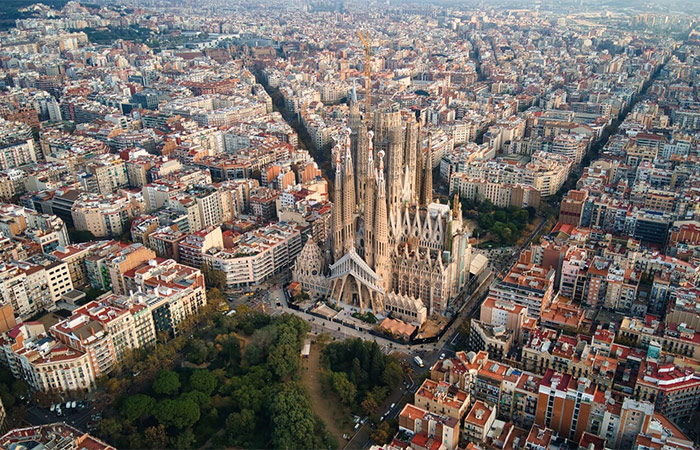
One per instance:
[(78, 417)]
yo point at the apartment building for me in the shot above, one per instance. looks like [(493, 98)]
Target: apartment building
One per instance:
[(528, 285), (102, 215), (74, 256), (43, 362), (191, 249), (96, 268), (429, 430), (25, 288), (504, 313), (478, 422), (440, 397), (461, 370), (536, 353), (263, 203), (495, 340), (564, 403), (166, 243), (659, 432), (674, 391), (104, 174), (525, 396), (52, 436), (176, 291), (124, 260), (489, 381), (84, 333), (257, 255), (16, 145)]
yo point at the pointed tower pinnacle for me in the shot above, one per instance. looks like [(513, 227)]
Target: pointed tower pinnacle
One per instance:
[(426, 196)]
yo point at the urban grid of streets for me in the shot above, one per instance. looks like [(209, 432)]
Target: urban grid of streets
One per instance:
[(154, 153)]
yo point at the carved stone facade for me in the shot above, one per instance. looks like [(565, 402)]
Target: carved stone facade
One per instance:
[(393, 250)]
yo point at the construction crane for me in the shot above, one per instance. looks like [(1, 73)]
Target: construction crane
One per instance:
[(368, 74)]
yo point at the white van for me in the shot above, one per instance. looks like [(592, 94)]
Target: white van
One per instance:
[(419, 362)]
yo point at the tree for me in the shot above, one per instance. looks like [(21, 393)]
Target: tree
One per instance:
[(156, 437), (292, 420), (163, 412), (197, 351), (137, 406), (200, 398), (215, 297), (186, 412), (166, 383), (381, 434), (485, 220), (180, 413), (230, 350), (213, 278), (111, 428), (369, 405), (521, 216), (203, 381), (248, 397), (239, 425), (183, 440), (392, 374), (343, 387)]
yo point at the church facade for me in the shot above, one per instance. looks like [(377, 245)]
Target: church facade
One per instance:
[(392, 250)]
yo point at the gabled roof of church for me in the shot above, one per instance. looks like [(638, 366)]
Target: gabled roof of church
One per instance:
[(359, 264)]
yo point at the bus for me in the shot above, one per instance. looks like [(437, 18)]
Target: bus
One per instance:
[(418, 361)]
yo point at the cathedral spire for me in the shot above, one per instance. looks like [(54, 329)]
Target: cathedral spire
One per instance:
[(370, 191), (410, 149), (337, 212), (348, 197), (417, 187), (381, 230), (426, 196)]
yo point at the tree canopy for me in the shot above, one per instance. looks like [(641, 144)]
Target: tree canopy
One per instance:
[(166, 383), (360, 373)]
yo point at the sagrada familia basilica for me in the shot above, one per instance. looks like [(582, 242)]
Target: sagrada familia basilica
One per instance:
[(392, 250)]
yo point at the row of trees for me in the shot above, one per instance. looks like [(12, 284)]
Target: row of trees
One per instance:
[(361, 374)]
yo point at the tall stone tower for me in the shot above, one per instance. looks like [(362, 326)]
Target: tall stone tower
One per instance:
[(395, 172), (369, 202), (411, 146), (381, 231), (337, 211), (361, 145), (348, 198), (426, 195), (418, 186)]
